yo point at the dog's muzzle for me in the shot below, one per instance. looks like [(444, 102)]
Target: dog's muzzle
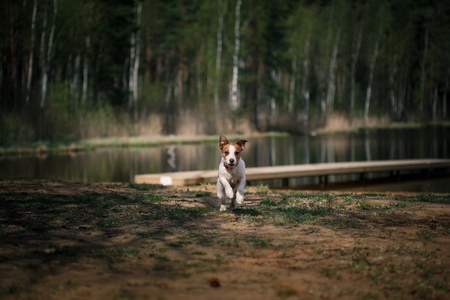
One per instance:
[(232, 164)]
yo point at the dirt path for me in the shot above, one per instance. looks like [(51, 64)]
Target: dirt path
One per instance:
[(79, 241)]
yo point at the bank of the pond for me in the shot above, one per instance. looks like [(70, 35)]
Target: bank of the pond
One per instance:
[(125, 142), (336, 126)]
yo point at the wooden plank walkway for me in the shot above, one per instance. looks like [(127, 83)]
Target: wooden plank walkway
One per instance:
[(291, 171)]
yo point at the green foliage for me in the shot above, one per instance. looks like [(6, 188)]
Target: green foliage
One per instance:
[(286, 48), (14, 130)]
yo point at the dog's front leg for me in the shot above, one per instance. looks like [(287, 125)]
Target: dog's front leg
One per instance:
[(240, 191), (221, 195), (227, 187)]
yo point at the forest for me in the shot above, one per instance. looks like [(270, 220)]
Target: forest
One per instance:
[(74, 69)]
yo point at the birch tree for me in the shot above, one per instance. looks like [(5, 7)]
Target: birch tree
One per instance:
[(392, 74), (222, 7), (324, 60), (305, 87), (134, 64), (42, 59), (49, 55), (181, 55), (444, 97), (31, 58), (423, 70), (357, 40), (371, 74), (84, 88), (234, 100), (332, 75)]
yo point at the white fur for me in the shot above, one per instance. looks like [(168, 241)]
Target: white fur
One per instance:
[(231, 181)]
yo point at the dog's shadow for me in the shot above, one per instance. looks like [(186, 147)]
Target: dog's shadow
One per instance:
[(245, 212), (210, 201)]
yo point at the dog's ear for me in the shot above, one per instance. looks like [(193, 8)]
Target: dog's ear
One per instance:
[(241, 144), (222, 141)]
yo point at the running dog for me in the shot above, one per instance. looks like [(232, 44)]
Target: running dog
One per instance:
[(231, 181)]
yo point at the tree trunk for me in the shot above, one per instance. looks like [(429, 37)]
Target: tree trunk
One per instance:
[(11, 60), (292, 84), (48, 59), (355, 55), (331, 91), (147, 54), (31, 58), (134, 64), (422, 75), (137, 61), (43, 58), (181, 56), (444, 100), (75, 77), (434, 104), (234, 101), (222, 9), (85, 74), (372, 71), (392, 73), (131, 71), (305, 88)]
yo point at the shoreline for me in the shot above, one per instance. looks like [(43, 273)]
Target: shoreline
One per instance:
[(42, 147)]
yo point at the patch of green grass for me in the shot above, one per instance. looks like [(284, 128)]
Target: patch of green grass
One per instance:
[(230, 242), (425, 197), (184, 213), (285, 291), (199, 193), (258, 242), (178, 244), (144, 186), (262, 189), (10, 289), (113, 221), (115, 254), (154, 234), (341, 223), (267, 202), (124, 295)]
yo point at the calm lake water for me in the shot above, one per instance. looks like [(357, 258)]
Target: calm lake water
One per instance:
[(122, 164)]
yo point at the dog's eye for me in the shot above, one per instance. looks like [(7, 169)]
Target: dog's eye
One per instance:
[(237, 153), (226, 152)]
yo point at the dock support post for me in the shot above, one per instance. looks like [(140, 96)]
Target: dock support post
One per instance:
[(426, 172), (285, 182), (323, 179)]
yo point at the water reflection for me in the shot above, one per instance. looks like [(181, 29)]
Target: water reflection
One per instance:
[(121, 165)]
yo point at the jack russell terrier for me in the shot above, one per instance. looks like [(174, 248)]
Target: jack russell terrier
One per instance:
[(231, 181)]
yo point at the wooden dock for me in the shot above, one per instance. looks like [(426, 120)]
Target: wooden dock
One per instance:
[(292, 171)]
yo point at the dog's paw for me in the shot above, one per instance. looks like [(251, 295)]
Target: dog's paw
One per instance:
[(223, 208), (230, 193), (233, 206), (239, 197)]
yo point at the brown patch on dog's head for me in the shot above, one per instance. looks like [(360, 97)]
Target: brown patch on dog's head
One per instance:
[(222, 141), (241, 144), (231, 152)]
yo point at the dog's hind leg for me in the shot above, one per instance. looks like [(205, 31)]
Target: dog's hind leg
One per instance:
[(233, 202)]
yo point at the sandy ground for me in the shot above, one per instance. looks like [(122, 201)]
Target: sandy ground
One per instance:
[(80, 241)]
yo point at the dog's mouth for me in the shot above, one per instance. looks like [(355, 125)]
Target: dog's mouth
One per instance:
[(229, 165)]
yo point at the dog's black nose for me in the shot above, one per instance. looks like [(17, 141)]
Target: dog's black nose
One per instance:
[(231, 160)]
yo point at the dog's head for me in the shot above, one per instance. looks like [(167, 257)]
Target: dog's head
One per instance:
[(231, 153)]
